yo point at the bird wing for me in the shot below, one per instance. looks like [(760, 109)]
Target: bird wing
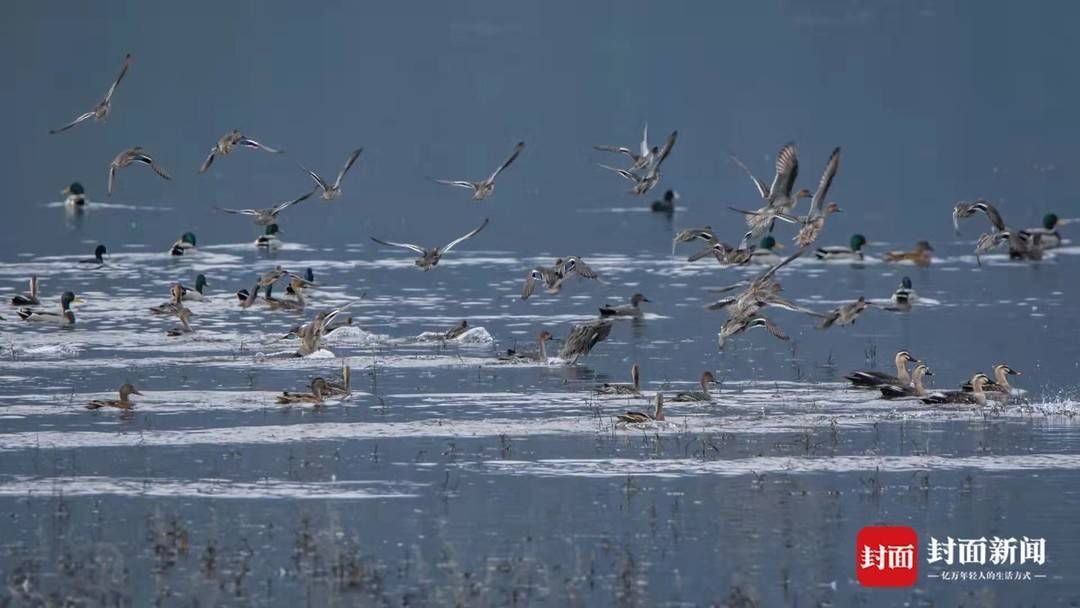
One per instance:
[(530, 282), (348, 165), (240, 211), (278, 208), (144, 158), (787, 169), (112, 178), (645, 141), (247, 142), (623, 172), (123, 70), (418, 249), (318, 180), (459, 183), (823, 186), (471, 234), (82, 117), (618, 149), (209, 160), (762, 187), (513, 155), (668, 145), (991, 212), (773, 329), (579, 266)]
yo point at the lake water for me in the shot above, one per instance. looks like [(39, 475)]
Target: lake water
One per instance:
[(447, 478)]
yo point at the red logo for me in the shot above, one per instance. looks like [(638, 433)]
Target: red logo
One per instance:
[(887, 556)]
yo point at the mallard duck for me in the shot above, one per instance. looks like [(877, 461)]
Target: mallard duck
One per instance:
[(1048, 233), (184, 315), (844, 314), (904, 296), (634, 388), (874, 379), (195, 293), (582, 338), (332, 191), (134, 155), (429, 257), (176, 293), (777, 198), (296, 305), (341, 388), (1000, 383), (814, 222), (99, 256), (30, 298), (540, 354), (75, 195), (763, 291), (228, 142), (975, 397), (641, 417), (766, 251), (854, 252), (692, 234), (642, 158), (920, 256), (247, 297), (311, 333), (268, 216), (269, 240), (737, 325), (707, 378), (665, 204), (272, 276), (483, 189), (185, 245), (965, 209), (64, 317), (633, 309), (456, 331), (123, 403), (553, 277), (648, 180), (309, 279), (727, 255), (101, 110), (915, 389), (315, 397)]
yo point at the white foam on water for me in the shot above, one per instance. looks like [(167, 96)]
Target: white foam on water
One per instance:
[(156, 487)]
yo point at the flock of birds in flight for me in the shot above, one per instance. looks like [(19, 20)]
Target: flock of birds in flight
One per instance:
[(744, 303)]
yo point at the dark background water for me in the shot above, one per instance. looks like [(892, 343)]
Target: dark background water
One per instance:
[(931, 103)]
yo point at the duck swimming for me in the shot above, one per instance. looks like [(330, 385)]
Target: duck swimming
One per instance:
[(645, 182), (483, 189), (134, 155), (75, 195), (634, 388), (99, 256), (333, 191), (64, 317), (874, 379), (126, 390), (228, 142), (553, 277), (101, 110), (1000, 383), (315, 397), (975, 397), (904, 297), (1050, 238), (915, 389), (173, 306), (707, 378), (268, 216), (30, 298), (854, 252), (429, 258), (269, 240), (633, 309), (641, 417), (539, 355), (582, 338), (195, 293), (666, 204), (185, 245), (920, 256)]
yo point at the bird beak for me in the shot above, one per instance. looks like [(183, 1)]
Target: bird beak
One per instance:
[(1014, 372), (646, 300), (77, 300), (136, 393), (66, 191), (778, 246)]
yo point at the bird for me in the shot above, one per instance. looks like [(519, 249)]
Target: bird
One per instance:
[(30, 298), (184, 315), (553, 276), (296, 288), (633, 309), (75, 195), (247, 297), (333, 191), (230, 140), (429, 257), (975, 397), (540, 354), (272, 276), (315, 397), (101, 110), (64, 317), (185, 245), (173, 306), (707, 378), (1050, 237), (269, 239), (133, 155), (195, 293), (340, 388), (920, 256), (854, 252), (124, 403), (665, 204), (311, 333), (777, 197), (737, 325), (915, 389), (456, 331), (632, 417), (1000, 384), (99, 256), (814, 221), (640, 159), (688, 235), (844, 314), (646, 181), (483, 189), (874, 379), (763, 291), (634, 388), (309, 278), (965, 209), (904, 297), (268, 216), (582, 338), (766, 251)]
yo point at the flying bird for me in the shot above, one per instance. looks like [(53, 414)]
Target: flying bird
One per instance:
[(265, 217), (101, 110), (133, 155), (483, 189), (232, 140), (429, 258), (332, 191)]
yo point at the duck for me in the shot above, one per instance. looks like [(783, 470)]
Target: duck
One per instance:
[(185, 245), (64, 317), (99, 256), (184, 315), (915, 389), (1050, 238), (485, 188), (540, 354), (904, 297), (777, 197), (582, 338), (766, 251), (456, 331), (553, 276), (103, 107), (341, 388), (228, 142), (311, 333), (632, 417), (429, 257), (269, 240), (814, 222), (195, 294), (248, 297), (687, 235), (1000, 384), (844, 314), (665, 204), (134, 155), (315, 397), (920, 256), (641, 159), (123, 403), (975, 397), (634, 388), (874, 379), (853, 252), (648, 180), (738, 325), (309, 279), (75, 195), (173, 306), (297, 285), (707, 378), (30, 298), (733, 256), (328, 191), (267, 216), (633, 309)]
